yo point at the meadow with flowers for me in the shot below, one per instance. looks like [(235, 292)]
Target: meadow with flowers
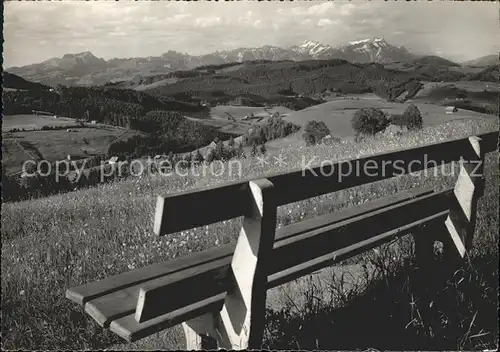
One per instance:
[(50, 244)]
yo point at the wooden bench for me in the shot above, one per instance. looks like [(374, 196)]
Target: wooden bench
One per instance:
[(213, 292)]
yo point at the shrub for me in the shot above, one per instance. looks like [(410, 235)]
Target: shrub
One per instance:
[(274, 128), (263, 149), (198, 158), (369, 121), (411, 118), (315, 131), (254, 150)]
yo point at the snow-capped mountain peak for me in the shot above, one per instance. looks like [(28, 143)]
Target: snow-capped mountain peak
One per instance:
[(373, 50), (373, 41), (311, 48)]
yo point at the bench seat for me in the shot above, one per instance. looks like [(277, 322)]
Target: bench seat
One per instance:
[(117, 302)]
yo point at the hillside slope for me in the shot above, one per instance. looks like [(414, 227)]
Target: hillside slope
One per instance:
[(12, 81)]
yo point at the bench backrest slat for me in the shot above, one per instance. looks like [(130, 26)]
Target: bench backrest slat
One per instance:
[(231, 280), (131, 280), (296, 250), (233, 200)]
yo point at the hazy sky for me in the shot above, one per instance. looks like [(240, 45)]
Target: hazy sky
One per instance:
[(36, 31)]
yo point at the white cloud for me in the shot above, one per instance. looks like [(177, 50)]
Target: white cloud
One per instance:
[(208, 21), (326, 22), (346, 10), (128, 29)]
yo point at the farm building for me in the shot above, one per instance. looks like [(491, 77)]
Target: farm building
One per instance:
[(451, 109), (113, 160), (44, 113), (212, 145), (243, 101)]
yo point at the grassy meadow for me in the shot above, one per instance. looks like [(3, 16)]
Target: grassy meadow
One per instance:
[(53, 145), (53, 243), (30, 121), (337, 113)]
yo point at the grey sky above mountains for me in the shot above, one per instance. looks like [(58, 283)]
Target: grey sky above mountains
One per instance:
[(37, 31)]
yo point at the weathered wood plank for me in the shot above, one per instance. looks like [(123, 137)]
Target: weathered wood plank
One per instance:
[(116, 296), (292, 273), (84, 293), (468, 188), (185, 287), (304, 247), (129, 329), (295, 250), (233, 199), (243, 313)]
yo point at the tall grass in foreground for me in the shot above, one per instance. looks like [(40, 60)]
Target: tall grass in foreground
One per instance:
[(400, 306), (54, 243)]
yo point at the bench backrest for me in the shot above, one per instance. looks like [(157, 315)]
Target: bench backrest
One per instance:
[(213, 292), (255, 261), (232, 200)]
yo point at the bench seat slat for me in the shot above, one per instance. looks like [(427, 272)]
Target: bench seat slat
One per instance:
[(84, 293), (118, 301), (323, 261), (128, 328), (296, 250), (307, 246)]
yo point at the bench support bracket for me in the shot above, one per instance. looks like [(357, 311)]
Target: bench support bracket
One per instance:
[(240, 323), (469, 187)]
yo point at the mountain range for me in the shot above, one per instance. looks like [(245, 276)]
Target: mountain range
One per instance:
[(87, 69)]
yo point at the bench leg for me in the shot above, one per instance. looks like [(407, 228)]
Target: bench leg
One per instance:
[(243, 312), (240, 323), (200, 333)]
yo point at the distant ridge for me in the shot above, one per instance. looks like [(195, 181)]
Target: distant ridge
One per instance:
[(87, 69), (11, 81), (484, 61)]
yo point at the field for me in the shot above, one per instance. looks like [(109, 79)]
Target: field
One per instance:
[(471, 86), (337, 114), (55, 145), (53, 243), (239, 112), (403, 66), (220, 120), (471, 95), (29, 122), (228, 126)]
